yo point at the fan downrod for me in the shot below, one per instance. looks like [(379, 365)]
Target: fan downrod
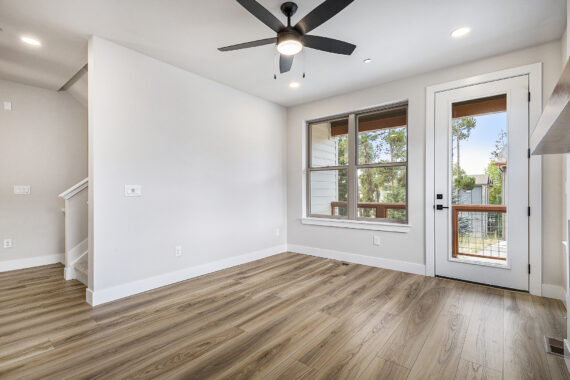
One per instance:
[(289, 8)]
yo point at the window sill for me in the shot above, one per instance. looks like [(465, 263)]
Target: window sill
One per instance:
[(358, 224)]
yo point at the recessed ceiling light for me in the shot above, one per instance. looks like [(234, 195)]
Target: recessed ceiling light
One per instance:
[(30, 41), (294, 84), (460, 32), (367, 60)]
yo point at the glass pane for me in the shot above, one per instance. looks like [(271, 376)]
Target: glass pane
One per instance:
[(479, 180), (382, 193), (329, 192), (382, 137), (329, 144)]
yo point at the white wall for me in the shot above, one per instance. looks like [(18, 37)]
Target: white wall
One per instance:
[(211, 161), (43, 143), (409, 247)]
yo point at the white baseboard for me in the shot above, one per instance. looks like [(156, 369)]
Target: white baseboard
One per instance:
[(402, 266), (89, 296), (81, 277), (554, 291), (76, 252), (70, 273), (98, 297), (31, 262)]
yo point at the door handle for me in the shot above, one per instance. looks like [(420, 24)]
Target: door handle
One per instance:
[(440, 207)]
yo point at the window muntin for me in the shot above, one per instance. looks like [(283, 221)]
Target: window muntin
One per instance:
[(364, 173)]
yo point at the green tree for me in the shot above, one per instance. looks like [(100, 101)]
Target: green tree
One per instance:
[(461, 130), (494, 172), (461, 180), (384, 184), (496, 190), (342, 151)]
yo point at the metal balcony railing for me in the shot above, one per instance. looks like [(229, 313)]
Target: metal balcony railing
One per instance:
[(480, 232)]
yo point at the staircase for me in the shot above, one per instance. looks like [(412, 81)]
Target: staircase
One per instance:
[(76, 243)]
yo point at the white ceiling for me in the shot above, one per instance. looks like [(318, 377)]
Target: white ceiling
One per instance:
[(402, 37)]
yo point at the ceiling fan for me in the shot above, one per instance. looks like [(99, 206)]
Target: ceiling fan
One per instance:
[(290, 40)]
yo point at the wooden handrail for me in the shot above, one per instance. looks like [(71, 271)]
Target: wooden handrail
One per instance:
[(480, 208), (456, 209), (381, 208)]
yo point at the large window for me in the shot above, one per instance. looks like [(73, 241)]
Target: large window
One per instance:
[(358, 166)]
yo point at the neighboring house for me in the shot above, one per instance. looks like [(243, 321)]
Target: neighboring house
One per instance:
[(479, 194)]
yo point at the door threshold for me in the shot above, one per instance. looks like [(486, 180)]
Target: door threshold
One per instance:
[(483, 284)]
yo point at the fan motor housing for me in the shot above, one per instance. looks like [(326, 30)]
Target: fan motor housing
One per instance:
[(288, 34)]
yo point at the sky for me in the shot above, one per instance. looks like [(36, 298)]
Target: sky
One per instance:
[(476, 151)]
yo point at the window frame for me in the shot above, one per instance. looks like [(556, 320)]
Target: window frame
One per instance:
[(353, 165)]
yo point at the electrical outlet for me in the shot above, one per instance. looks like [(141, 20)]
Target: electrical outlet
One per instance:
[(133, 190), (277, 232), (376, 240), (7, 243), (178, 250)]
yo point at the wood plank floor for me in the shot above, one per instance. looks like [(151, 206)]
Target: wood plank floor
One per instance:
[(288, 316)]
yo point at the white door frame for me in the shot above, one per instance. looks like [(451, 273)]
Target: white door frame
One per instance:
[(534, 72)]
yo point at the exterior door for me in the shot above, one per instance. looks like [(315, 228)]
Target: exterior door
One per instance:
[(481, 183)]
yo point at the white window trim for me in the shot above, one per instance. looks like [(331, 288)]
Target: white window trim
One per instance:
[(534, 72), (347, 223), (358, 224)]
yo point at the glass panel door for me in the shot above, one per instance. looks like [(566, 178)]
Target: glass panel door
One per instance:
[(481, 183), (479, 180)]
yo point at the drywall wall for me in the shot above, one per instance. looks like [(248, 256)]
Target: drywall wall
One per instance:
[(211, 162), (408, 248), (43, 143)]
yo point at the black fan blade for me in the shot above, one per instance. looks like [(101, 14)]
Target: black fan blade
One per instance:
[(245, 45), (324, 12), (262, 14), (285, 63), (328, 44)]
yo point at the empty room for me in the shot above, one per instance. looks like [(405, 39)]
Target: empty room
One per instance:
[(261, 189)]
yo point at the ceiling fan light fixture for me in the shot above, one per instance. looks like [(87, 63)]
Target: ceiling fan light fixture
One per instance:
[(292, 39), (289, 47)]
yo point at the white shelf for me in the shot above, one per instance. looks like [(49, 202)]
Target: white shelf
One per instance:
[(552, 133)]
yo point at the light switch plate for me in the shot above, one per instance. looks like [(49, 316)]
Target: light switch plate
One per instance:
[(133, 190), (22, 189), (7, 106)]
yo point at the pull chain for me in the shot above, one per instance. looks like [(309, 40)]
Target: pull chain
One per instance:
[(304, 62), (275, 63)]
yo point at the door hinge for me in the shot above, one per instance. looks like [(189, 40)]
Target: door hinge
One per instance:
[(529, 96), (528, 152), (528, 210), (528, 268)]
